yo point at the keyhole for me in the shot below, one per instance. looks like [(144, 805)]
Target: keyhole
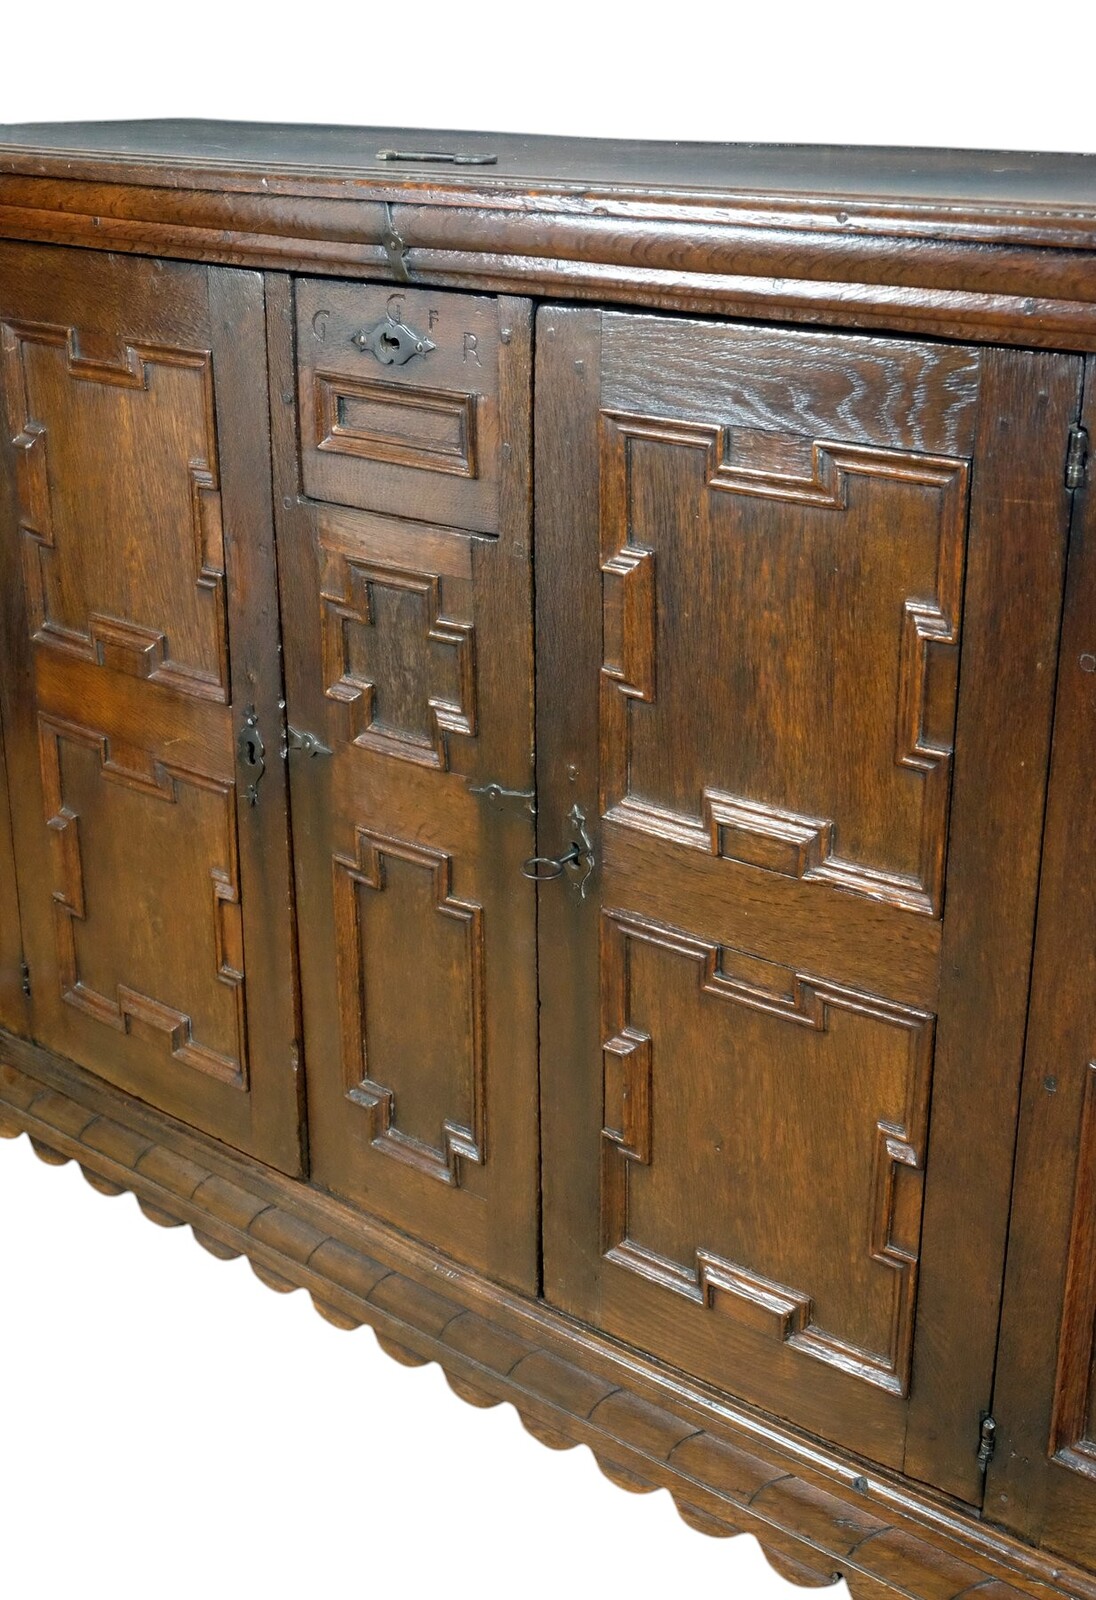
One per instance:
[(390, 341)]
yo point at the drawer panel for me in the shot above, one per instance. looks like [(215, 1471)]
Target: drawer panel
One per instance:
[(417, 437)]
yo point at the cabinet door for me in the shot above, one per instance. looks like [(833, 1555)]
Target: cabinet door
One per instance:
[(1042, 1479), (797, 604), (408, 633), (140, 629)]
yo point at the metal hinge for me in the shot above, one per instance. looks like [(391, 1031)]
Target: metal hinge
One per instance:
[(987, 1442), (25, 973), (1077, 457)]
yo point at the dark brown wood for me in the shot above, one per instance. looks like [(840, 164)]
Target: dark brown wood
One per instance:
[(818, 1515), (779, 629), (1043, 1478), (974, 244), (409, 652), (141, 623), (13, 1001), (798, 610)]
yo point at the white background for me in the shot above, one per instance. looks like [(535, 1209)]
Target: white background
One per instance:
[(168, 1428)]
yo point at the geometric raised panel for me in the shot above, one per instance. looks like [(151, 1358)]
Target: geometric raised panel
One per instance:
[(133, 839), (432, 429), (717, 1173), (417, 1070), (1073, 1438), (120, 506), (828, 619), (404, 671)]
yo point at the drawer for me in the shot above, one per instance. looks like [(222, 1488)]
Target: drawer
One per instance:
[(415, 437)]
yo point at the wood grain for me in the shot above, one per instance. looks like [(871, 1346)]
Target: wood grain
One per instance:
[(818, 1516)]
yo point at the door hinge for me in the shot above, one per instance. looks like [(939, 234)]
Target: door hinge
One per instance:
[(1077, 457), (24, 972), (987, 1441)]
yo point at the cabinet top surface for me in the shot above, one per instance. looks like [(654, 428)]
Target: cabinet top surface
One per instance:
[(244, 153)]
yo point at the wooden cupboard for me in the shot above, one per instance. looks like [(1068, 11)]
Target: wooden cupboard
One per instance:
[(546, 706)]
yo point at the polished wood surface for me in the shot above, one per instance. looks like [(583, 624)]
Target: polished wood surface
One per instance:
[(702, 1149), (1009, 181), (141, 624), (966, 244), (752, 637)]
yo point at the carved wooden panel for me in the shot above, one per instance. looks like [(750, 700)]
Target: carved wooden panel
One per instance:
[(401, 665), (119, 505), (407, 599), (762, 553), (418, 1072), (139, 627), (706, 1174), (422, 439), (818, 585), (149, 847)]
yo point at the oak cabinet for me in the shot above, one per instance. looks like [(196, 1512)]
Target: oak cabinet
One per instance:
[(546, 801)]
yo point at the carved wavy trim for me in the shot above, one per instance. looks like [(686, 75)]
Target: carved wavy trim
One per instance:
[(819, 1518), (461, 1141), (135, 769), (779, 1310), (737, 827)]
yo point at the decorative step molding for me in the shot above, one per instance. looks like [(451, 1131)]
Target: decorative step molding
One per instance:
[(818, 1516)]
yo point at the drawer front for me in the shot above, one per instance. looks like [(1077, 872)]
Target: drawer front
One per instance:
[(411, 434)]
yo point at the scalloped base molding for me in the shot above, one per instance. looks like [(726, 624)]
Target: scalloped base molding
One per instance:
[(818, 1517)]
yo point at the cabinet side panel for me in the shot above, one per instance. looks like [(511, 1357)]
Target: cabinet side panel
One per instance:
[(1015, 568), (1042, 1481), (12, 1000)]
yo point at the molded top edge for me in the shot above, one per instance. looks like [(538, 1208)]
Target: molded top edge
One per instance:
[(1002, 184)]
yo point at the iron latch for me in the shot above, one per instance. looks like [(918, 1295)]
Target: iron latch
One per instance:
[(307, 743)]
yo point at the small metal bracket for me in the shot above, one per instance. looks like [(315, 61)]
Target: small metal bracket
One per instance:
[(451, 158), (393, 342), (395, 246), (251, 752), (307, 743), (987, 1442), (500, 799), (24, 972)]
